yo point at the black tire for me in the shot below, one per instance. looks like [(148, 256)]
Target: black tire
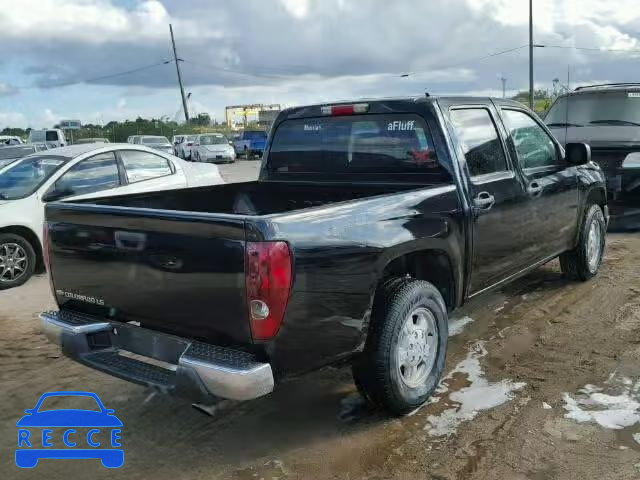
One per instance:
[(377, 371), (575, 263), (8, 240)]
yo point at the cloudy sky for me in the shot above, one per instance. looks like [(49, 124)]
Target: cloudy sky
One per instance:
[(60, 57)]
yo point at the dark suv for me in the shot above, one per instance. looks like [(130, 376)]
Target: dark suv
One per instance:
[(607, 117)]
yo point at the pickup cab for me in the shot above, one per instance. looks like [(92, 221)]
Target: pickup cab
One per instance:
[(369, 224), (250, 143)]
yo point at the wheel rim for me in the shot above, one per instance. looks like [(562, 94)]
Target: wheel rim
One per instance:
[(13, 262), (594, 246), (417, 347)]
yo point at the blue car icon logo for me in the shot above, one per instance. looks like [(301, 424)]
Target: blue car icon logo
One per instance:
[(69, 433)]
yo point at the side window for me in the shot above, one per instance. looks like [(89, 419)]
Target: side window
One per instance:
[(480, 141), (533, 146), (144, 166), (90, 175), (52, 136)]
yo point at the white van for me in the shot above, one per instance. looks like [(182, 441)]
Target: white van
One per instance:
[(53, 137)]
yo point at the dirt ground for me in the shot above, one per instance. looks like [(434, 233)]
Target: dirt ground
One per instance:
[(536, 352)]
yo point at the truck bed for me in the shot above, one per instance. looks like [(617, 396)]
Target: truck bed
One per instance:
[(156, 260), (251, 198)]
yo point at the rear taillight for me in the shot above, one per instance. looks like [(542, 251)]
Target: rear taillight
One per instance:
[(268, 282), (339, 110)]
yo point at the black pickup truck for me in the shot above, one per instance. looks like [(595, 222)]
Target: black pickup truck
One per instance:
[(369, 223)]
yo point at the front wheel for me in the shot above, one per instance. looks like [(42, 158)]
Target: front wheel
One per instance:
[(583, 262), (17, 260), (406, 348)]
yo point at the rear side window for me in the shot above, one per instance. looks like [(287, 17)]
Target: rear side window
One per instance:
[(52, 136), (90, 175), (480, 141), (144, 166), (398, 143)]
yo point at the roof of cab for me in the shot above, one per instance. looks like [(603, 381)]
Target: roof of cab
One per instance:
[(73, 151), (455, 99)]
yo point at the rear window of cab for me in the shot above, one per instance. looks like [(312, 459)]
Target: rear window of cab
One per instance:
[(399, 143)]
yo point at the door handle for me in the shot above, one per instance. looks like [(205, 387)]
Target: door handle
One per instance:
[(484, 201), (534, 189)]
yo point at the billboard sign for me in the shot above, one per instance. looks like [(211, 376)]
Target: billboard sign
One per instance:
[(70, 124)]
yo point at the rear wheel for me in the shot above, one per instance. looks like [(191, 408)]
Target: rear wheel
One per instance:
[(583, 262), (17, 260), (406, 348)]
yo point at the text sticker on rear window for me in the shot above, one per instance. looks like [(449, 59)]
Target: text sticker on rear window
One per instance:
[(313, 127), (397, 125), (633, 94)]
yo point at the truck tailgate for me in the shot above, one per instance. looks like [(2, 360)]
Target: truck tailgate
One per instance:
[(180, 273)]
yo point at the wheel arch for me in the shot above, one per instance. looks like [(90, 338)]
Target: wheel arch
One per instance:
[(432, 265), (29, 235), (596, 195)]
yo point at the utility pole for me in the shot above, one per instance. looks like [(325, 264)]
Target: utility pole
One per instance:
[(175, 58), (531, 54), (503, 79)]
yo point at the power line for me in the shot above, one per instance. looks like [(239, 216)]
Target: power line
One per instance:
[(103, 77), (589, 49), (236, 72), (466, 62)]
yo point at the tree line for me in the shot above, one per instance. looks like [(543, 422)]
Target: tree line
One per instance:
[(116, 131)]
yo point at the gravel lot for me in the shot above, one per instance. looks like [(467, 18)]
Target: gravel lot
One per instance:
[(543, 383)]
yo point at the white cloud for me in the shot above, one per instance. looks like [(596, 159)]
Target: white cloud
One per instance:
[(7, 89), (301, 50), (12, 119), (49, 118), (90, 21), (296, 8)]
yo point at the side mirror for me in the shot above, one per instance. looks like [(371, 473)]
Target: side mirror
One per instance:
[(578, 153), (56, 194)]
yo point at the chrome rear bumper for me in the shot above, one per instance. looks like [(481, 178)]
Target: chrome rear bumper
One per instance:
[(172, 364)]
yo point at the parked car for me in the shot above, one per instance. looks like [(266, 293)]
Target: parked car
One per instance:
[(359, 251), (10, 140), (77, 172), (250, 143), (11, 153), (53, 137), (212, 148), (157, 142), (91, 140), (608, 118), (183, 149), (175, 140)]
